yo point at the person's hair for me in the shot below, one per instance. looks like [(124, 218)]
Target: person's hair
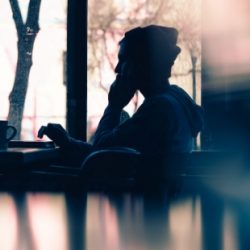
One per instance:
[(153, 47)]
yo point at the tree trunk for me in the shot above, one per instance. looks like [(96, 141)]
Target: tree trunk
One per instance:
[(26, 38)]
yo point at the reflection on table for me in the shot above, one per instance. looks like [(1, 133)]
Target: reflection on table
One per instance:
[(210, 216)]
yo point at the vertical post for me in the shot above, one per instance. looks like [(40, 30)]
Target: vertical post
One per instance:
[(77, 69), (194, 60)]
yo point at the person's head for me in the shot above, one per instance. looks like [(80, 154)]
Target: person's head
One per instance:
[(152, 51)]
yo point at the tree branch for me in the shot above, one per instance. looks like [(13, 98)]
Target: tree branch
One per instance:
[(107, 54), (33, 15), (17, 16)]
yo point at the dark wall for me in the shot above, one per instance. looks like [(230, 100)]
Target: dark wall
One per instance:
[(226, 73), (227, 113)]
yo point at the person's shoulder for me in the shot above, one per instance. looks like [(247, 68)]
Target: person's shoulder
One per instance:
[(164, 100), (157, 104)]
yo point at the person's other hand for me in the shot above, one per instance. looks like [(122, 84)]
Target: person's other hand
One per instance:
[(122, 89), (56, 133)]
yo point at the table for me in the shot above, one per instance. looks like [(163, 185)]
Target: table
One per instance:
[(18, 164), (24, 156), (204, 214)]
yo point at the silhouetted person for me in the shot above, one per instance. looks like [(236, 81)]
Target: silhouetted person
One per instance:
[(168, 119)]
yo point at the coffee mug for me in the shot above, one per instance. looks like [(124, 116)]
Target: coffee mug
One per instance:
[(4, 131)]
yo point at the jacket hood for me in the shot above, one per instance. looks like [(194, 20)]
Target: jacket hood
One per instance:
[(194, 113)]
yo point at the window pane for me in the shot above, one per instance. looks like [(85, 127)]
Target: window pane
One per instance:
[(107, 22), (46, 94)]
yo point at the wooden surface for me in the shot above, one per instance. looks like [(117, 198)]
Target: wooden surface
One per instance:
[(23, 156), (202, 215)]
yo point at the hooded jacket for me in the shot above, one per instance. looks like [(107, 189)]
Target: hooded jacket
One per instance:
[(164, 123), (193, 112)]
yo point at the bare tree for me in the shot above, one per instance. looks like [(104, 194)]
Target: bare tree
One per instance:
[(26, 33), (187, 19), (101, 26)]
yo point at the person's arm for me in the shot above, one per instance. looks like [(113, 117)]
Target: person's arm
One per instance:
[(110, 133), (121, 92), (62, 138), (142, 131), (109, 120)]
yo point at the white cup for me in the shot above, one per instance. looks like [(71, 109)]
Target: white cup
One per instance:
[(4, 128)]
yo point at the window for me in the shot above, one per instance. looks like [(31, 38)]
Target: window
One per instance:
[(46, 93), (107, 22)]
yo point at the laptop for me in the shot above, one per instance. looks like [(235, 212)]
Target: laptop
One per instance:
[(31, 144)]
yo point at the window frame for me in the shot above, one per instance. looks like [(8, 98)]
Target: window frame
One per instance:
[(76, 116)]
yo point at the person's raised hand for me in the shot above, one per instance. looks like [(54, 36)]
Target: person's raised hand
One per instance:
[(122, 89), (56, 133)]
